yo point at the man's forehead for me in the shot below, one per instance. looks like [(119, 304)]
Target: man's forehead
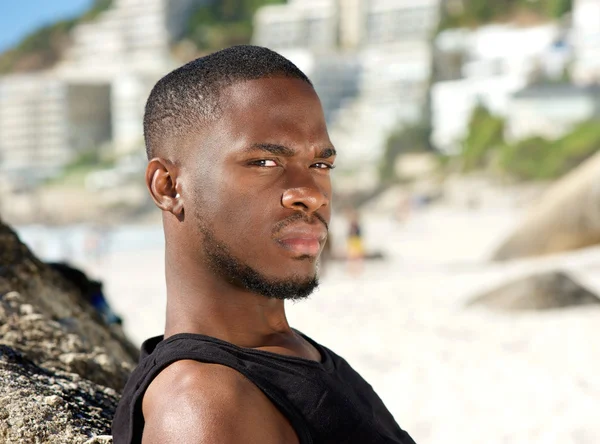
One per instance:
[(247, 92)]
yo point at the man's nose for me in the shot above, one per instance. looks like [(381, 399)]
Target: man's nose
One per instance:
[(306, 199)]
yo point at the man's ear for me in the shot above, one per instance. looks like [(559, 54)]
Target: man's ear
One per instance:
[(165, 189)]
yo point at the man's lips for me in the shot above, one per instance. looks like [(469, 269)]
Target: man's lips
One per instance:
[(303, 240)]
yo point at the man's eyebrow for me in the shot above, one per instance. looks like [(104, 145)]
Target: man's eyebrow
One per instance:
[(281, 150), (278, 150)]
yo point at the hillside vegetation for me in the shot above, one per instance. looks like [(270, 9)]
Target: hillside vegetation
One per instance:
[(213, 26), (44, 47), (534, 158), (223, 23), (473, 13)]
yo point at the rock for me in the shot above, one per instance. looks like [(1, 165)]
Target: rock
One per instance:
[(53, 407), (567, 217), (542, 291), (61, 365)]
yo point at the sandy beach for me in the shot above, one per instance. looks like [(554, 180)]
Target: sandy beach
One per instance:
[(449, 374)]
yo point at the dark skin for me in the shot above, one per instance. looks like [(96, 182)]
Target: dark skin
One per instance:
[(265, 161)]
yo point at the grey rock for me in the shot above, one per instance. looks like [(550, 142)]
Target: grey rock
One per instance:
[(566, 218), (61, 366), (42, 406), (542, 291)]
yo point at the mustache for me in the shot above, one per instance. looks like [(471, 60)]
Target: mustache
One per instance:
[(309, 219)]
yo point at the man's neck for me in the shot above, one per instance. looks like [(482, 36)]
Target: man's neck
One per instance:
[(200, 302)]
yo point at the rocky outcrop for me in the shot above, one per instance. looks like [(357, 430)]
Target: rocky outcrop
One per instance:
[(39, 405), (61, 365), (566, 218), (542, 291)]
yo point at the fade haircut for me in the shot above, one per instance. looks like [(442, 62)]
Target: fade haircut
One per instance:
[(188, 97)]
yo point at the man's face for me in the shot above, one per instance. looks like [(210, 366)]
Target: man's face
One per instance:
[(257, 187)]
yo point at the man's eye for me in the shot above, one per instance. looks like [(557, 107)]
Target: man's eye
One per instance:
[(265, 163), (323, 166)]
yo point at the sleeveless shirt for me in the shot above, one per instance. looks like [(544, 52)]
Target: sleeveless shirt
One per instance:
[(325, 402)]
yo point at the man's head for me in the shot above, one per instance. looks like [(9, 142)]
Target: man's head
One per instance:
[(189, 97), (239, 164)]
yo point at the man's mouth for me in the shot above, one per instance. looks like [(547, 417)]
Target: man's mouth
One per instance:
[(303, 240)]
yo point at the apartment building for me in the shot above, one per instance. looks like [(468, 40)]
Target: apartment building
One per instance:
[(131, 34), (586, 40), (385, 67), (495, 62), (297, 24), (550, 111), (97, 94), (45, 122)]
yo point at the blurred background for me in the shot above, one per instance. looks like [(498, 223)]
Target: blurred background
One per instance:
[(463, 269)]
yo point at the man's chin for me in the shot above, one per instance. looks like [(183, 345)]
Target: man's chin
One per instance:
[(284, 288)]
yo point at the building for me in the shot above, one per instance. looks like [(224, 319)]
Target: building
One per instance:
[(550, 110), (326, 24), (298, 24), (486, 67), (586, 39), (45, 122), (392, 21), (127, 48), (132, 34), (370, 61), (96, 95)]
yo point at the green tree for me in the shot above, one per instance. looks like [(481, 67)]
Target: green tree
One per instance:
[(409, 139), (480, 12), (537, 158), (485, 134), (223, 23)]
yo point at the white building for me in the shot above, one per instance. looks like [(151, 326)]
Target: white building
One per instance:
[(453, 103), (586, 39), (392, 21), (298, 24), (550, 111), (128, 48), (370, 61), (45, 122), (132, 34), (497, 61), (324, 24), (97, 94)]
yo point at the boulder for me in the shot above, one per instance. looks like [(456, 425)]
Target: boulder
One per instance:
[(543, 291), (567, 217), (38, 405), (61, 365)]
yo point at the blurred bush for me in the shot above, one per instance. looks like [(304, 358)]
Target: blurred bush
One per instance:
[(538, 158), (223, 23), (408, 139), (473, 13), (534, 158), (485, 135)]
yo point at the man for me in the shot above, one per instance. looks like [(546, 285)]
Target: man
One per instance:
[(239, 165)]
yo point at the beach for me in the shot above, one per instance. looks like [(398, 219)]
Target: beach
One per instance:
[(449, 374)]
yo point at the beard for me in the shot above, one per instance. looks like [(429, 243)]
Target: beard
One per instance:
[(233, 270)]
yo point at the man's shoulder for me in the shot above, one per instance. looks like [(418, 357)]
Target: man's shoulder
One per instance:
[(209, 403)]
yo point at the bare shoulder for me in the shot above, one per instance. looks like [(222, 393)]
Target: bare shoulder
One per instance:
[(197, 403)]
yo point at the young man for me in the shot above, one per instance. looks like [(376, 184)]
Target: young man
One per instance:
[(239, 165)]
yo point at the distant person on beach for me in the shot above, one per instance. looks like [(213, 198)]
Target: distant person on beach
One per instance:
[(355, 246), (239, 164)]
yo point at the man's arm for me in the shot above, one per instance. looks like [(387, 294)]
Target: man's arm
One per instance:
[(194, 403)]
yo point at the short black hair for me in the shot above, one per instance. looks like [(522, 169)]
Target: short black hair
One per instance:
[(189, 96)]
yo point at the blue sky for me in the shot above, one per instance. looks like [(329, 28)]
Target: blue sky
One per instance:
[(20, 17)]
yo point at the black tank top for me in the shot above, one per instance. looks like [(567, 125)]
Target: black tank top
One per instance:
[(325, 402)]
